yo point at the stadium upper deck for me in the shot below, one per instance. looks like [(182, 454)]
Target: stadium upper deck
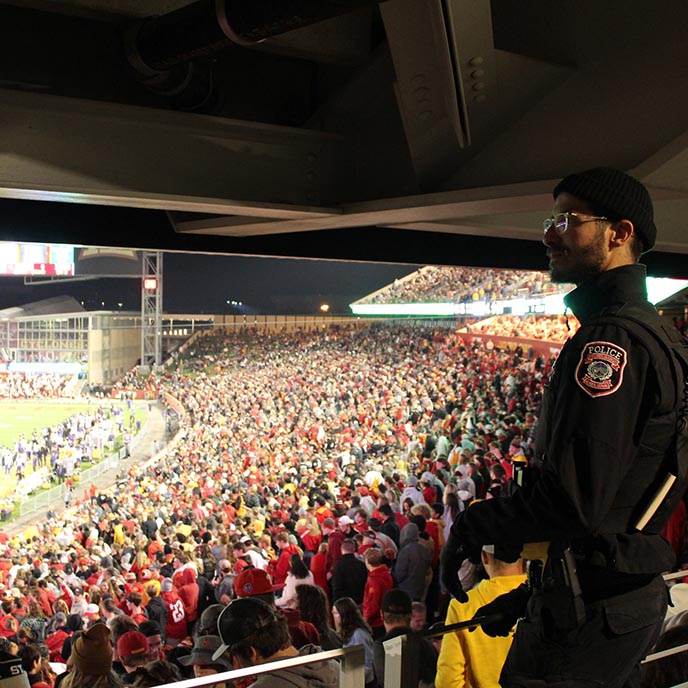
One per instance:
[(432, 284)]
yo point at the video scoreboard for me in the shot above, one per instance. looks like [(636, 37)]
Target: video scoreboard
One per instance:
[(20, 259)]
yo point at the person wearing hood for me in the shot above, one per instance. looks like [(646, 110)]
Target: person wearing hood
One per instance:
[(255, 635), (176, 626), (60, 642), (412, 563), (187, 587)]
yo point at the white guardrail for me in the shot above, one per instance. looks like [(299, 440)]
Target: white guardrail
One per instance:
[(401, 661), (351, 669)]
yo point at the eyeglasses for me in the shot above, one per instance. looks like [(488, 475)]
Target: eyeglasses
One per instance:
[(561, 221)]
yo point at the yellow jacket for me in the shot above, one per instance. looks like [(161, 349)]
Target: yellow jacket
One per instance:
[(474, 660)]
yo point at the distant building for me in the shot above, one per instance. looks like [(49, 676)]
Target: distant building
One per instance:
[(58, 335)]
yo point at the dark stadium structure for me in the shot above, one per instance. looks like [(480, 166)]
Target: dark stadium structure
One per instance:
[(391, 130)]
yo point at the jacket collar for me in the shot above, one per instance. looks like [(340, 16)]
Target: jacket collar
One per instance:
[(620, 285)]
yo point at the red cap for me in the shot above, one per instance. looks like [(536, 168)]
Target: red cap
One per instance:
[(132, 644), (252, 582)]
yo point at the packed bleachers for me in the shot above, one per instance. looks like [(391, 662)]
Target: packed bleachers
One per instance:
[(15, 385), (555, 328), (292, 443), (432, 284)]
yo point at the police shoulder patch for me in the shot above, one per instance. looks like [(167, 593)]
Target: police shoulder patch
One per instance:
[(600, 369)]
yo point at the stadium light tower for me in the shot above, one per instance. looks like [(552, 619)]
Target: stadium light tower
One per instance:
[(151, 309)]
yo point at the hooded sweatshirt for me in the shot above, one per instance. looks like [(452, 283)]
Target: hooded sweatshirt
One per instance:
[(317, 675), (188, 592), (413, 561)]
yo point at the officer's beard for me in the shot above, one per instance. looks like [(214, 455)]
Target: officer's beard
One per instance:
[(582, 264)]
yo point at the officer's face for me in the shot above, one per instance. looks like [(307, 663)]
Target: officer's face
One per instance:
[(582, 251)]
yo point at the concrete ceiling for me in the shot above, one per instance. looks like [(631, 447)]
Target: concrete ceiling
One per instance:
[(401, 130)]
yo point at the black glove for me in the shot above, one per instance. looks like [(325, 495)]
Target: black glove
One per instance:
[(507, 609), (456, 550)]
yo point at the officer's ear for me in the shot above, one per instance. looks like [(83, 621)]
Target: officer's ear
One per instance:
[(622, 233)]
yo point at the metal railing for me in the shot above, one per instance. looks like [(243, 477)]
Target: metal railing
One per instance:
[(28, 505), (44, 499), (401, 659), (401, 652), (351, 669)]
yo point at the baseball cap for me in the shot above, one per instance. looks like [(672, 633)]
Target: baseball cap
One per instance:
[(396, 601), (508, 553), (203, 652), (132, 644), (92, 610), (252, 582), (239, 620), (345, 520)]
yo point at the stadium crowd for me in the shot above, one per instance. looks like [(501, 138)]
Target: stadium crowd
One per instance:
[(554, 328), (314, 475), (433, 284), (33, 385)]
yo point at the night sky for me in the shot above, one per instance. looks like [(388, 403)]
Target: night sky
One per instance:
[(204, 284)]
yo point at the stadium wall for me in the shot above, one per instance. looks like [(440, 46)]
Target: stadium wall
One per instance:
[(277, 323)]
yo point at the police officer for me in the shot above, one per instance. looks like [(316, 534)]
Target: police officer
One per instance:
[(610, 437)]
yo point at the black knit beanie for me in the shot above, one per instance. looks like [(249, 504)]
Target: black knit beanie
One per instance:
[(616, 194)]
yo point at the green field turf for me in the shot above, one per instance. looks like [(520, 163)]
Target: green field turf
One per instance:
[(18, 418), (25, 417)]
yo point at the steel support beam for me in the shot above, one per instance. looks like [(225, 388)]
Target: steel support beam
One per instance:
[(151, 310), (64, 149)]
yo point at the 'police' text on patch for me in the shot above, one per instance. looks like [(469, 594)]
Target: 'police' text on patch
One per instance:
[(600, 370)]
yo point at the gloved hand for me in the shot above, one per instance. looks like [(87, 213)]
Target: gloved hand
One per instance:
[(508, 609), (456, 550)]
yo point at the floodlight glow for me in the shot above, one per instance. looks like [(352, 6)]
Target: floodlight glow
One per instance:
[(658, 289)]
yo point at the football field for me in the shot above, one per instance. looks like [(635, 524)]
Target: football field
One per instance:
[(23, 417), (17, 418)]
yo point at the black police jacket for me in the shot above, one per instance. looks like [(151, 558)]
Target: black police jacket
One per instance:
[(609, 407)]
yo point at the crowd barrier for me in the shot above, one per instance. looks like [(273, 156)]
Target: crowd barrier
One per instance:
[(401, 659), (32, 482), (48, 497), (351, 669)]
